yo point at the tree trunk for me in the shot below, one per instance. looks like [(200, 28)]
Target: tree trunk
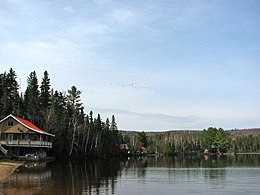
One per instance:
[(73, 136), (86, 143)]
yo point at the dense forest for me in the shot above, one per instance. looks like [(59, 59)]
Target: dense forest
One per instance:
[(77, 134), (189, 142), (82, 135)]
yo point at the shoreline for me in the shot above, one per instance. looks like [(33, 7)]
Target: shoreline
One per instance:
[(7, 168)]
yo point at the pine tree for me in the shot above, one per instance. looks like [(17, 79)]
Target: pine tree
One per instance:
[(2, 94), (113, 126), (45, 101), (98, 134), (10, 94), (106, 138), (114, 133), (59, 124), (31, 98)]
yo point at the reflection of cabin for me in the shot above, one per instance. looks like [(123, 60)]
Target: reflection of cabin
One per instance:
[(141, 151), (20, 137)]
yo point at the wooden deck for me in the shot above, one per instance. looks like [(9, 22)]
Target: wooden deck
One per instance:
[(26, 143)]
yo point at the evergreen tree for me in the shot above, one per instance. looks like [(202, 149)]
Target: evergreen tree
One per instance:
[(114, 132), (222, 140), (59, 124), (45, 91), (45, 102), (113, 126), (142, 139), (10, 95), (98, 134), (31, 99), (215, 139), (2, 94), (106, 139)]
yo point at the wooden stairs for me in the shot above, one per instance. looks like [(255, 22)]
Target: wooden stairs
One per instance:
[(3, 150)]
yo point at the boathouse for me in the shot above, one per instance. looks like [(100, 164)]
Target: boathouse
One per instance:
[(19, 137)]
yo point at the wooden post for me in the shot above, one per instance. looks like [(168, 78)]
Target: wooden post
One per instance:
[(40, 140)]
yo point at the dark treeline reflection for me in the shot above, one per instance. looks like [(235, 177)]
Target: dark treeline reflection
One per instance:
[(86, 177), (73, 177), (252, 160), (106, 176)]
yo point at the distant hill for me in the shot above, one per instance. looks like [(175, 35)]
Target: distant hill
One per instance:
[(241, 132), (233, 133)]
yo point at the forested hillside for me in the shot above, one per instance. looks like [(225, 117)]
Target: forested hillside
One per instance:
[(185, 142), (78, 134)]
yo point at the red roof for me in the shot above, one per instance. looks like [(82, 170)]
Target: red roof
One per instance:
[(29, 125)]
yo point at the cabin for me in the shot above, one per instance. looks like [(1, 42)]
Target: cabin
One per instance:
[(19, 137), (124, 150)]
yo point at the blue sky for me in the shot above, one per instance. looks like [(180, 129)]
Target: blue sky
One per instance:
[(156, 65)]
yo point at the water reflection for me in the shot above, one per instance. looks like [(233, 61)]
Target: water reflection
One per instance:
[(27, 179), (127, 175)]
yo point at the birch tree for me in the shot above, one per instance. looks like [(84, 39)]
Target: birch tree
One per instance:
[(76, 108)]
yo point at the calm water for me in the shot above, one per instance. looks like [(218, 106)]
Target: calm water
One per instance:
[(216, 175)]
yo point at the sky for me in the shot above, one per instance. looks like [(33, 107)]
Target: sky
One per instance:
[(156, 65)]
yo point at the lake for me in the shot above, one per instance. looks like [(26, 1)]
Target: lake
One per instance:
[(229, 174)]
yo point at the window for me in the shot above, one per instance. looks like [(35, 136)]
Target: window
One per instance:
[(10, 123), (15, 136), (24, 137), (35, 138), (4, 137)]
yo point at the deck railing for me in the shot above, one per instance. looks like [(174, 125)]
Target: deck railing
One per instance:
[(26, 143)]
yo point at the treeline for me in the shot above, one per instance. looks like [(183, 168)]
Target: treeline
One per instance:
[(77, 134), (191, 142)]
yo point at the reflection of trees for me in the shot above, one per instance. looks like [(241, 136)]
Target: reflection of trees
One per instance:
[(136, 166), (68, 178), (141, 167), (101, 176), (252, 160), (91, 177), (27, 178), (213, 161), (217, 175), (176, 162)]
